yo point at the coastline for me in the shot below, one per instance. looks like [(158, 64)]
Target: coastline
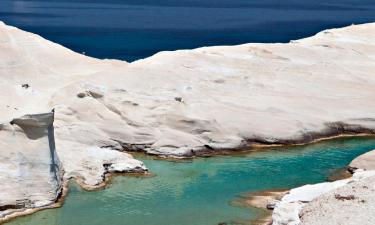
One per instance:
[(255, 199), (258, 199), (25, 212), (309, 200), (179, 123), (248, 148), (65, 191), (262, 200), (267, 199)]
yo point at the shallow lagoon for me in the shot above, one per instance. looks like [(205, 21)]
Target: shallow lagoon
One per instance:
[(199, 191)]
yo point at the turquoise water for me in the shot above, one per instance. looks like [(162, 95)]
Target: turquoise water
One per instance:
[(198, 192)]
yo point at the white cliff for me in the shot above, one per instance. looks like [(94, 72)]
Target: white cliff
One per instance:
[(31, 173), (187, 102)]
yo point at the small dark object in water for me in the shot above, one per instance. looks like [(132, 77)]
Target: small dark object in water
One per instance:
[(222, 223), (26, 86)]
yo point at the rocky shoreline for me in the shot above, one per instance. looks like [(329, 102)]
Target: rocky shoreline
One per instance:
[(37, 132), (339, 202), (263, 200), (313, 204), (179, 104)]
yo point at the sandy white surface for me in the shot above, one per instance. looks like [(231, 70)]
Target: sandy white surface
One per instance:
[(352, 204)]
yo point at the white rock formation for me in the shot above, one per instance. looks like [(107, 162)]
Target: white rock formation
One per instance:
[(218, 97), (32, 70), (311, 200), (352, 204), (31, 173), (185, 102), (346, 201), (365, 161), (177, 103)]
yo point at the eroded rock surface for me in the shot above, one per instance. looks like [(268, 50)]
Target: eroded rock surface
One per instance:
[(31, 173), (351, 204), (227, 97), (185, 102), (365, 161), (346, 201), (178, 103)]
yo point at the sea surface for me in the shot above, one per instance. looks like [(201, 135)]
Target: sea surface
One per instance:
[(199, 191), (135, 29)]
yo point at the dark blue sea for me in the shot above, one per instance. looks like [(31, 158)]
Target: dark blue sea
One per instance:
[(134, 29)]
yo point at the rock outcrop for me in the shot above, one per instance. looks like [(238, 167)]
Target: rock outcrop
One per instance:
[(32, 176), (182, 103), (351, 204), (31, 173), (346, 201), (365, 161)]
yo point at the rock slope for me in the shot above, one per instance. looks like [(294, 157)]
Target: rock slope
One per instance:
[(186, 102), (349, 201), (179, 103)]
